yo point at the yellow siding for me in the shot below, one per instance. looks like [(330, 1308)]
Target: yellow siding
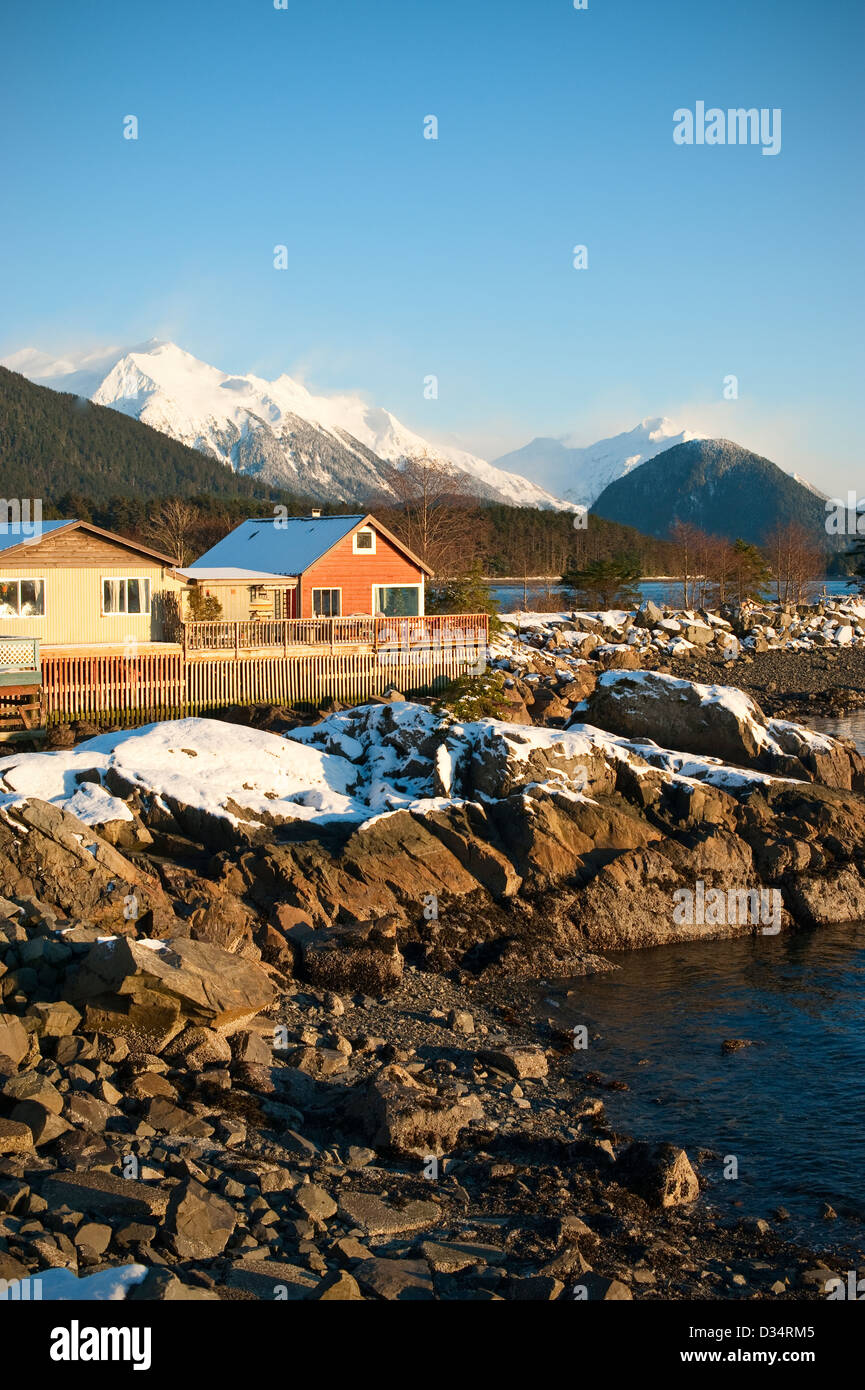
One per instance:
[(73, 604), (235, 598)]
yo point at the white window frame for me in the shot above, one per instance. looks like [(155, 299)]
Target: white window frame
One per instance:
[(124, 579), (329, 589), (25, 579), (360, 550), (420, 597)]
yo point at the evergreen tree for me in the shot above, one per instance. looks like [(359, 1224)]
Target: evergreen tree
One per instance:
[(468, 593), (751, 574), (608, 583)]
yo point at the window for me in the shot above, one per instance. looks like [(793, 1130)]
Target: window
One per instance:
[(397, 600), (22, 598), (326, 603), (126, 596), (364, 542)]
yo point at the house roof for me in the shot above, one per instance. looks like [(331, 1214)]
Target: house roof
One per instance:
[(11, 543), (216, 574), (287, 545)]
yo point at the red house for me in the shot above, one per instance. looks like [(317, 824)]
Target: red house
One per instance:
[(312, 567)]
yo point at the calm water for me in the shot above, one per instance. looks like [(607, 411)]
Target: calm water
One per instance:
[(661, 591), (791, 1107), (849, 726)]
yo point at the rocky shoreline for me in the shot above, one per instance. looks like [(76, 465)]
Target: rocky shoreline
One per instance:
[(268, 1023)]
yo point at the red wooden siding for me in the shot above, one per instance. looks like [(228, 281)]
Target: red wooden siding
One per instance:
[(355, 574)]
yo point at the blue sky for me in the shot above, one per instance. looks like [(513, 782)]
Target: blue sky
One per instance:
[(408, 256)]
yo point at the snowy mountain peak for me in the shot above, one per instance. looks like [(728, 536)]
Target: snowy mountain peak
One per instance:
[(331, 448), (580, 473)]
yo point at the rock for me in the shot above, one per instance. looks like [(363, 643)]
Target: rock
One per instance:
[(525, 1063), (717, 721), (536, 1288), (93, 1238), (339, 1287), (32, 1085), (56, 1020), (272, 1279), (838, 896), (315, 1202), (160, 1285), (14, 1042), (402, 1115), (460, 1021), (44, 1124), (144, 989), (395, 1280), (376, 1218), (200, 1047), (15, 1137), (75, 872), (661, 1173), (198, 1224), (252, 1048), (596, 1288), (364, 959), (103, 1192)]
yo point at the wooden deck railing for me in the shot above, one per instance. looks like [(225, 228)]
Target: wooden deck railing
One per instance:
[(451, 629)]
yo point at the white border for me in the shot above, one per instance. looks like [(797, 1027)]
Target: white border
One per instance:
[(124, 579), (366, 531), (26, 617), (320, 589), (419, 587)]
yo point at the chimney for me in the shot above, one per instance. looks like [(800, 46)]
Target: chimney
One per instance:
[(316, 511)]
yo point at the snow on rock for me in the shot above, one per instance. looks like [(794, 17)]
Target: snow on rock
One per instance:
[(106, 1285), (717, 720), (213, 767)]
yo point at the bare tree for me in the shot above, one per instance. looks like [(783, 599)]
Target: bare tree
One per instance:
[(689, 543), (795, 561), (172, 526), (435, 515)]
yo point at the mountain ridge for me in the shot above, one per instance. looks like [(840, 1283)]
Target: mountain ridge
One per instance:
[(327, 447), (717, 486)]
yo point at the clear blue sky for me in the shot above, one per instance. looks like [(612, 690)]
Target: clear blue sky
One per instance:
[(407, 256)]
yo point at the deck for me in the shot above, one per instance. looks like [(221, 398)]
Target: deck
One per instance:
[(293, 661), (311, 635)]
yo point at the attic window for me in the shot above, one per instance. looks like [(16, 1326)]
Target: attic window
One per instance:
[(364, 541)]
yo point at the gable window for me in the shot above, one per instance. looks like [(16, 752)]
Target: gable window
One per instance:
[(126, 596), (326, 603), (397, 600), (22, 598), (364, 541)]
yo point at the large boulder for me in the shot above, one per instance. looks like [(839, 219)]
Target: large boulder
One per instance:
[(49, 854), (718, 721), (363, 958), (406, 1117), (155, 988), (660, 1173)]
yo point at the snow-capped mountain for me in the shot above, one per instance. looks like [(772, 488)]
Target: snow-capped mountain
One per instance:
[(327, 447), (580, 473)]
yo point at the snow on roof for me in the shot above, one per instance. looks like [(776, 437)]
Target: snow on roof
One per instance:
[(225, 573), (277, 545), (14, 533)]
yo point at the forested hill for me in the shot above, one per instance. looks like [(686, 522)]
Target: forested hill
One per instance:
[(53, 443)]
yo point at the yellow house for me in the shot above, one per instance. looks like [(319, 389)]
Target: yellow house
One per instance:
[(72, 584)]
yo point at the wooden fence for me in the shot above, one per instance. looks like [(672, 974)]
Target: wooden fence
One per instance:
[(286, 633), (114, 688), (135, 689)]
